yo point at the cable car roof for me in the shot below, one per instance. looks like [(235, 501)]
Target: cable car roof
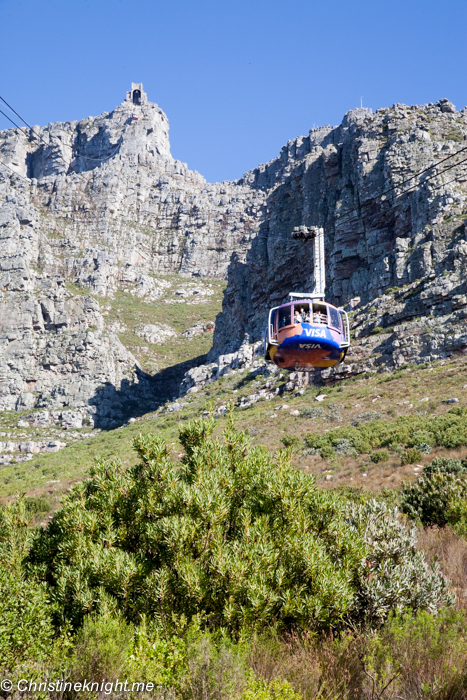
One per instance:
[(304, 300)]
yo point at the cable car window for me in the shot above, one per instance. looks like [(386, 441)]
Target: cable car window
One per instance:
[(274, 321), (320, 315), (303, 310), (334, 318), (284, 316)]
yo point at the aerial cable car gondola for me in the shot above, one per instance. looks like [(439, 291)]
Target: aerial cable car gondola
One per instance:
[(309, 333)]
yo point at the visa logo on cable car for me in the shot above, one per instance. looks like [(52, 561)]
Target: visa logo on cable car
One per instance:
[(309, 346), (315, 332)]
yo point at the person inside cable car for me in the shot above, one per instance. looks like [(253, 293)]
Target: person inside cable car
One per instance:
[(316, 317), (283, 321), (297, 318), (302, 313)]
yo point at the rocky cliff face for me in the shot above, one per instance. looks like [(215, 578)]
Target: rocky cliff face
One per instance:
[(99, 204), (396, 261), (91, 208)]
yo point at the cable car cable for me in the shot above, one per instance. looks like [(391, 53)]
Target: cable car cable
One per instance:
[(427, 179), (18, 115), (101, 160), (363, 217), (404, 182), (11, 120), (391, 189), (27, 179), (28, 136), (336, 219), (366, 203)]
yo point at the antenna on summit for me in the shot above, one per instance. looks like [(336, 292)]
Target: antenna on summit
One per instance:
[(361, 102)]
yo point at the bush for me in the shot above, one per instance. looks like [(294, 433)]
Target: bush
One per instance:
[(214, 668), (424, 655), (260, 689), (381, 456), (436, 498), (157, 658), (411, 455), (327, 452), (313, 412), (231, 535), (394, 576), (102, 648), (36, 505), (368, 433), (26, 630), (292, 441), (344, 447), (446, 465), (334, 413), (424, 448), (366, 417)]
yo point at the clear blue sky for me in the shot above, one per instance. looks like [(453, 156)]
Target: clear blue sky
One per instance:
[(237, 79)]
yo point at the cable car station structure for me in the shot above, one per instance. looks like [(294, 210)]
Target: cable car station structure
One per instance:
[(308, 332)]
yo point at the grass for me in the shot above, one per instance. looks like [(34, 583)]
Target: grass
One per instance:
[(132, 311), (344, 403)]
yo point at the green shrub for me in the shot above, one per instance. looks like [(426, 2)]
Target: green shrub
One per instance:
[(411, 455), (394, 575), (261, 689), (344, 447), (423, 654), (26, 631), (367, 433), (313, 412), (155, 658), (229, 534), (424, 448), (366, 417), (36, 505), (214, 668), (437, 496), (292, 441), (446, 465), (395, 375), (419, 437), (381, 456), (102, 648), (327, 452)]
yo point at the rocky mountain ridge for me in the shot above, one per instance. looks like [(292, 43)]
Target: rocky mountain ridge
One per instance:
[(96, 208), (397, 262)]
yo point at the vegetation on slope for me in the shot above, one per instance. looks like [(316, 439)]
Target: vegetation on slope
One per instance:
[(414, 393), (227, 572)]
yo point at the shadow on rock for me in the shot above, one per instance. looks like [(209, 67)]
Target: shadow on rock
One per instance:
[(114, 407)]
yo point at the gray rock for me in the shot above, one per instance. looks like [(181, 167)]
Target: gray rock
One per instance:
[(102, 204)]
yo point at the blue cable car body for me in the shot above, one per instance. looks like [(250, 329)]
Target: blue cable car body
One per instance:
[(295, 344), (307, 332)]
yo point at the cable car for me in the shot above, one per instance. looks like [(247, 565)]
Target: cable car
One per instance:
[(309, 333)]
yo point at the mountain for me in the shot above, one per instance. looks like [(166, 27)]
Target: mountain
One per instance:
[(106, 239)]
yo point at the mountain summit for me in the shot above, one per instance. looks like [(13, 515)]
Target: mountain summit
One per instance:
[(98, 208)]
